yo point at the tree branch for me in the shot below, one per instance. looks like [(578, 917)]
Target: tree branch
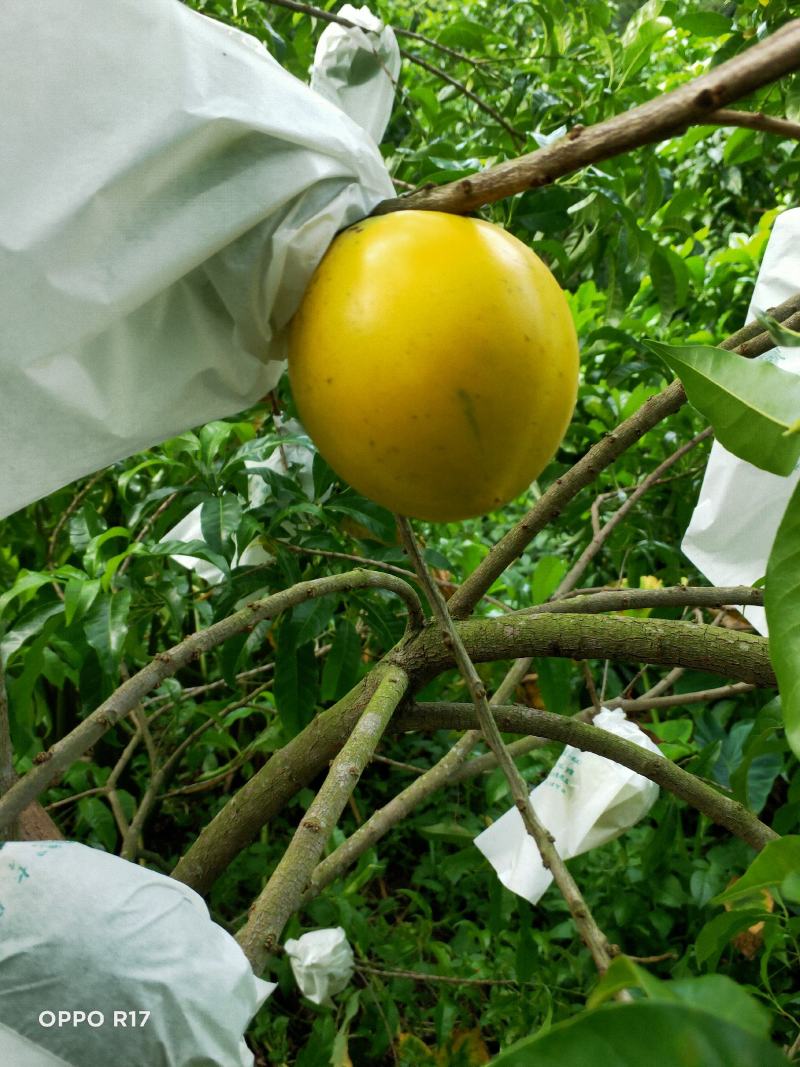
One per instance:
[(591, 934), (751, 340), (755, 120), (283, 892), (731, 653), (676, 596), (658, 119), (516, 719), (454, 768), (51, 764)]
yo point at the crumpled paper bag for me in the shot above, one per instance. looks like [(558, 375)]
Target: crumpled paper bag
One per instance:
[(740, 507), (349, 63), (82, 930), (322, 963), (167, 190), (585, 801)]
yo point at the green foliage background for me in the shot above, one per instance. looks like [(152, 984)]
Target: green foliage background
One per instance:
[(664, 242)]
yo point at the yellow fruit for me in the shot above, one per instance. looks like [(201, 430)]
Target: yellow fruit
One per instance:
[(434, 363)]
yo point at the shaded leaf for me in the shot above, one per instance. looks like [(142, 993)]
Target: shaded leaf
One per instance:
[(106, 627), (775, 861), (782, 603), (750, 404), (648, 1032)]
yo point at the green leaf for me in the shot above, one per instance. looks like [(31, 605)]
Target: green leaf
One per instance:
[(719, 995), (741, 146), (775, 861), (27, 625), (704, 23), (295, 686), (718, 932), (96, 815), (648, 1032), (548, 573), (555, 684), (750, 404), (450, 831), (780, 334), (25, 583), (194, 549), (340, 672), (312, 618), (106, 627), (623, 973), (782, 603), (670, 277), (79, 595), (219, 519)]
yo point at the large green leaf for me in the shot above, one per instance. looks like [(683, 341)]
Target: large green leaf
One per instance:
[(750, 404), (648, 1032), (341, 664), (782, 603), (295, 686), (775, 861), (714, 993), (670, 277), (106, 626), (219, 518)]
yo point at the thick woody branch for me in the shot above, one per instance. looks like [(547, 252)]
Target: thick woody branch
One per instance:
[(449, 768), (591, 934), (658, 119), (730, 653), (734, 654), (515, 719), (288, 770), (283, 892), (50, 765), (381, 821), (750, 341)]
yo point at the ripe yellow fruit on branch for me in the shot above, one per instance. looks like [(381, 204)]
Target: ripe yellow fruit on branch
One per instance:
[(434, 363)]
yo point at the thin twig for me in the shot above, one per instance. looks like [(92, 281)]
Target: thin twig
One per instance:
[(400, 31), (516, 136), (364, 561), (674, 596), (755, 120), (588, 929), (69, 511), (421, 976)]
